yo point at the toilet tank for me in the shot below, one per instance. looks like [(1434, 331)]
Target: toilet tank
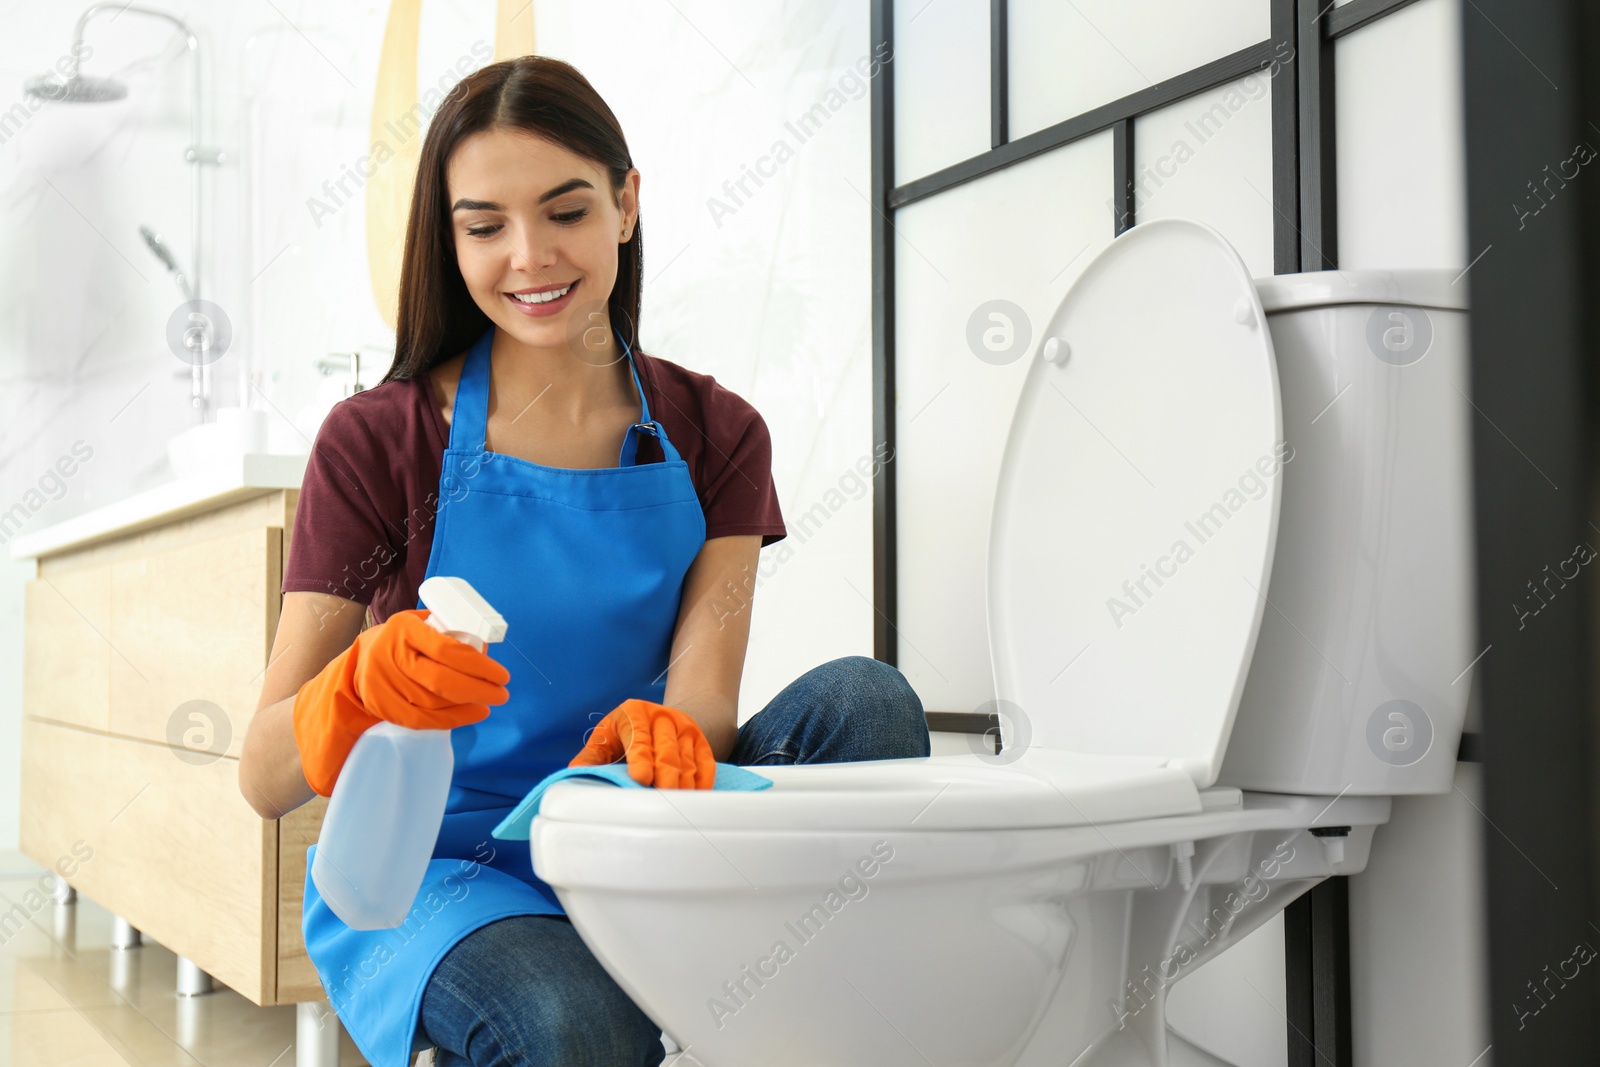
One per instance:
[(1360, 675)]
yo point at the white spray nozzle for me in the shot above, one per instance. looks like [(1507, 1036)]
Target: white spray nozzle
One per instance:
[(458, 609)]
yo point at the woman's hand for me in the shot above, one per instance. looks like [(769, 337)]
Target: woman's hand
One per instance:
[(403, 671), (664, 747)]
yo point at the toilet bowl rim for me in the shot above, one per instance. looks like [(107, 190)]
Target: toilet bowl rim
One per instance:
[(586, 858)]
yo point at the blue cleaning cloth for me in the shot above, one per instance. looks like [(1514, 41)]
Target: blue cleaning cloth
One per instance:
[(519, 824)]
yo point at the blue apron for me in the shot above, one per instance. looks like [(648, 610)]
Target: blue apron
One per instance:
[(587, 568)]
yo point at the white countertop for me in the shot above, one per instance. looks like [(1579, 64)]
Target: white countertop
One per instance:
[(237, 479)]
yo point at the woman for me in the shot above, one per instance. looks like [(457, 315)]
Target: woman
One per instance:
[(610, 504)]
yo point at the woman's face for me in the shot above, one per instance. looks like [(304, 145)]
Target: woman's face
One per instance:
[(530, 217)]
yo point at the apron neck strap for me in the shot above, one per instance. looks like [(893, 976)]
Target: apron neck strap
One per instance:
[(628, 457), (469, 417)]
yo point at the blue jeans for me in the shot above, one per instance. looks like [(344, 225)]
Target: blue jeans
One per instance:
[(525, 991)]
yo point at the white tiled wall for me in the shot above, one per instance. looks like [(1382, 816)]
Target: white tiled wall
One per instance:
[(1022, 234), (1401, 150), (1067, 58), (941, 84), (1209, 157)]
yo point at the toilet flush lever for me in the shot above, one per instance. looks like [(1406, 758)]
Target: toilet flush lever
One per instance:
[(1056, 350)]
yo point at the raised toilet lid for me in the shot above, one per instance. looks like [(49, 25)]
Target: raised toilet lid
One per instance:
[(1137, 506)]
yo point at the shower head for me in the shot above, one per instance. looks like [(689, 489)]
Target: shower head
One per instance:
[(158, 246), (82, 89), (164, 254), (78, 89)]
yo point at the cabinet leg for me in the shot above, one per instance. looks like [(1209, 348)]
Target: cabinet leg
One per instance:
[(61, 892), (192, 981), (316, 1035), (123, 933)]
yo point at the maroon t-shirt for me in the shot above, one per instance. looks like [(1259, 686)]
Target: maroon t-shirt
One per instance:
[(363, 528)]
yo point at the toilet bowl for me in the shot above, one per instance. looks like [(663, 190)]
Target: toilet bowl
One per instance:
[(1201, 468), (946, 907)]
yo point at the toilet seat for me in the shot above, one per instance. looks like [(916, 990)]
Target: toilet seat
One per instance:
[(574, 848), (1134, 522), (960, 792)]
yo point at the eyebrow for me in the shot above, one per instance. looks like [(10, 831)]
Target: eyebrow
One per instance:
[(489, 205)]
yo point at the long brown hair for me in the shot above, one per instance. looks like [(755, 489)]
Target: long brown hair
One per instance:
[(437, 317)]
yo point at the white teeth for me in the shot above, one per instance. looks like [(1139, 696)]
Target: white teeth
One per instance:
[(541, 298)]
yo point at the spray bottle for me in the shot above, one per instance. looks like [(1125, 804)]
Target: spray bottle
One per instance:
[(388, 803)]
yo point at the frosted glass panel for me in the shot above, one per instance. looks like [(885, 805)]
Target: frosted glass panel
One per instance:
[(1401, 157), (983, 241), (1066, 58), (1208, 157), (941, 84)]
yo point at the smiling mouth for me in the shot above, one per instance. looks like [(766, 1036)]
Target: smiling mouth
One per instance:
[(550, 296)]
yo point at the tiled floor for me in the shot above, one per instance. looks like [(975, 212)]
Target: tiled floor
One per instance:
[(68, 998)]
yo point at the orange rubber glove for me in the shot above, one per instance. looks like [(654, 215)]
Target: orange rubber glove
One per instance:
[(403, 671), (664, 746)]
